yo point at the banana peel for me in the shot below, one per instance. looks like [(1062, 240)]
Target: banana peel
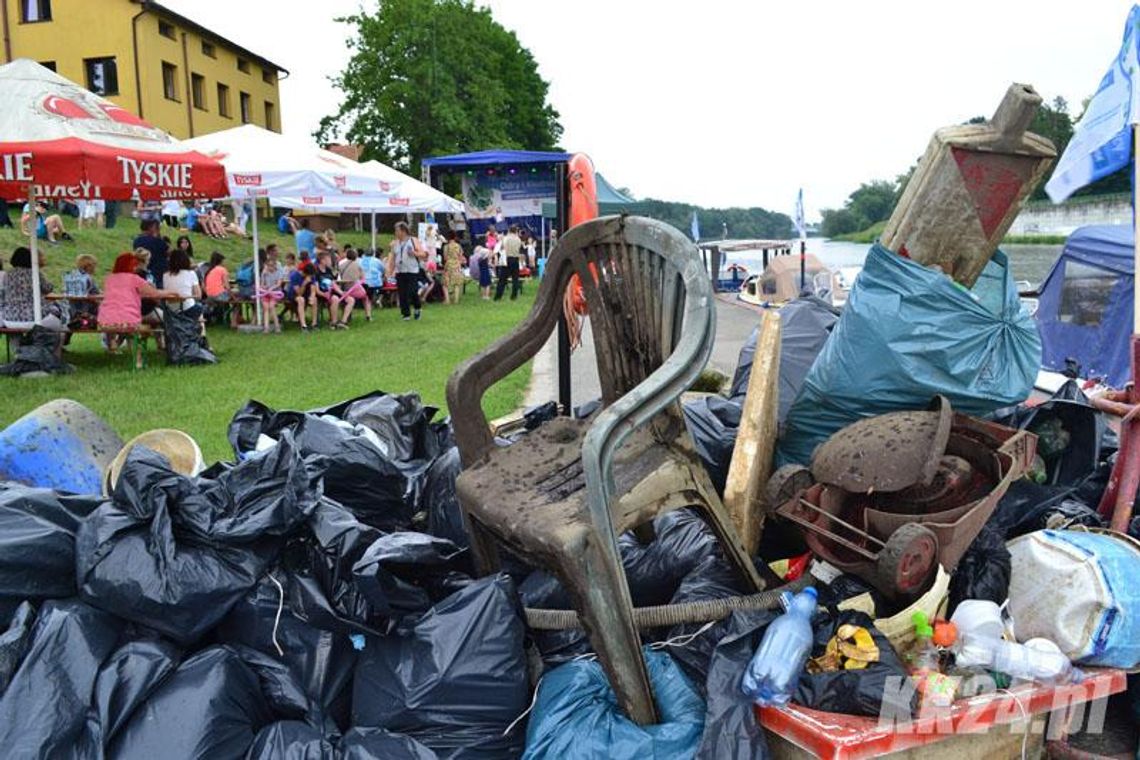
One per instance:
[(851, 648)]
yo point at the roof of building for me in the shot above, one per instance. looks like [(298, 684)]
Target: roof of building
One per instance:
[(189, 23)]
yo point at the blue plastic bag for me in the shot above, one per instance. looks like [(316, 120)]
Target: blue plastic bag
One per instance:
[(908, 333), (576, 715)]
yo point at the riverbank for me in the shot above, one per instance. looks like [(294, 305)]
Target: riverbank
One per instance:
[(872, 233)]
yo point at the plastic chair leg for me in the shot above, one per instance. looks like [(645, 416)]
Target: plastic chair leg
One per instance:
[(601, 597)]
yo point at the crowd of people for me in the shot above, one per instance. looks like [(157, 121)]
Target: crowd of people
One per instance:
[(320, 276)]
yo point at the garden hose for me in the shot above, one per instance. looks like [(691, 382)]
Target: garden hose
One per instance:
[(667, 615)]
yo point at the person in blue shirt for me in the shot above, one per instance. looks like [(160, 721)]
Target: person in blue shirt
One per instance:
[(150, 240), (373, 270), (287, 224), (306, 240), (192, 218)]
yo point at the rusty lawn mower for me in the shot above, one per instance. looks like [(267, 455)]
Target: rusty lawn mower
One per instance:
[(890, 497)]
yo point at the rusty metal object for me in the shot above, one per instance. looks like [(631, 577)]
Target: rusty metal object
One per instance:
[(893, 540), (889, 452)]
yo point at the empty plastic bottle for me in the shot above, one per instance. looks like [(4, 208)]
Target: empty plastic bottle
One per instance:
[(775, 669), (1035, 660)]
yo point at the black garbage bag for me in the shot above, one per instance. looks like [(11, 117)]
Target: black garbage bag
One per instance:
[(439, 500), (805, 325), (713, 578), (321, 590), (43, 710), (983, 572), (126, 680), (175, 553), (847, 586), (731, 728), (713, 422), (37, 544), (185, 343), (872, 691), (378, 744), (374, 463), (36, 352), (1027, 507), (320, 661), (654, 571), (406, 573), (469, 682), (211, 707), (291, 740), (14, 642), (1070, 433)]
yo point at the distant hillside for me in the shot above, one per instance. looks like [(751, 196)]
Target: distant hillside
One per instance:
[(741, 222)]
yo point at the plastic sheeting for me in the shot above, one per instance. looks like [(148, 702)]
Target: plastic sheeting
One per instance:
[(576, 715), (805, 325), (712, 422), (469, 682), (908, 333)]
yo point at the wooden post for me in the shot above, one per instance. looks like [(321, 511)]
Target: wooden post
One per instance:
[(751, 462)]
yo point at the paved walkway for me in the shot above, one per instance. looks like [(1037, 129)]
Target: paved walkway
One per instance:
[(734, 323)]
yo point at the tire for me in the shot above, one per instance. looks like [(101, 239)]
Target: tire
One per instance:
[(906, 563)]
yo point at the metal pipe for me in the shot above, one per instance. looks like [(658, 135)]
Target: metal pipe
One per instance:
[(666, 615), (189, 88), (7, 32), (135, 46)]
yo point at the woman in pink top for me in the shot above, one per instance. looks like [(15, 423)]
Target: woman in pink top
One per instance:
[(123, 292)]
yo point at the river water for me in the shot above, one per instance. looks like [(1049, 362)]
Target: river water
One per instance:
[(1029, 262)]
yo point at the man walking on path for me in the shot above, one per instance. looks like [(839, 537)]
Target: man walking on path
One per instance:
[(512, 251)]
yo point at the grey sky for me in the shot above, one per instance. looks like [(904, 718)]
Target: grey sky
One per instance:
[(738, 103)]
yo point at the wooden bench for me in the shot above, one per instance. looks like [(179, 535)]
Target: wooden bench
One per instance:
[(138, 336)]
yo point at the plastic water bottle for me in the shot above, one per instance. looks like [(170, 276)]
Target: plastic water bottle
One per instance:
[(776, 667), (1035, 660)]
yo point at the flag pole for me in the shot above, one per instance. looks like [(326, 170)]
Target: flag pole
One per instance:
[(256, 260)]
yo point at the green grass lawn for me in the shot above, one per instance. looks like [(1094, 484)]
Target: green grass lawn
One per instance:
[(287, 371)]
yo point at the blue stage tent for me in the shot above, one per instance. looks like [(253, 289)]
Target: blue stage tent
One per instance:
[(1085, 307)]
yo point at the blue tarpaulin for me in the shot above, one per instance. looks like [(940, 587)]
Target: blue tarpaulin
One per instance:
[(1085, 308), (908, 333)]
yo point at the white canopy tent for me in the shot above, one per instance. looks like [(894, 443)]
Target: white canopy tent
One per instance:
[(297, 174)]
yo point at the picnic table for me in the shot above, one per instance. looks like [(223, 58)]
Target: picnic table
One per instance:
[(997, 724)]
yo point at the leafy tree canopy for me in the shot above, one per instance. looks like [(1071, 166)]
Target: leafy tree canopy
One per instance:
[(431, 77)]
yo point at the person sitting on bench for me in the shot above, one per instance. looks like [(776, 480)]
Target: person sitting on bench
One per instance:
[(121, 308)]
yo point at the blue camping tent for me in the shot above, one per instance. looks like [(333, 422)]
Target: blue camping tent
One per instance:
[(1085, 307)]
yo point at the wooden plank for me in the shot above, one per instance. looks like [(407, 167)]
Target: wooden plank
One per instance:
[(756, 439)]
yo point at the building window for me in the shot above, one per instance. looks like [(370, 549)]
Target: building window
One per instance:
[(223, 100), (246, 108), (166, 29), (243, 65), (268, 76), (50, 65), (270, 115), (198, 91), (208, 50), (170, 81), (102, 75), (32, 11)]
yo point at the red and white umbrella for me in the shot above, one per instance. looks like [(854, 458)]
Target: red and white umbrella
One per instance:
[(60, 141)]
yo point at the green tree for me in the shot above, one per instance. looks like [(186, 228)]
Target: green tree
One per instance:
[(430, 77), (872, 202), (839, 221)]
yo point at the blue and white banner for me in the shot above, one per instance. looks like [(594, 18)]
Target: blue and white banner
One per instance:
[(1102, 141), (801, 225), (695, 228), (501, 195)]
